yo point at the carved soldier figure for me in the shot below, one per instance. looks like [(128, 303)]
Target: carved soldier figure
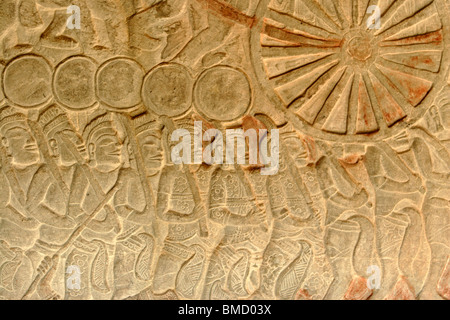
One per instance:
[(22, 151), (232, 204), (35, 179), (15, 267), (69, 151), (106, 174), (233, 269), (348, 208), (36, 198), (62, 138), (425, 154), (135, 252), (338, 187), (394, 211), (56, 129), (149, 138), (253, 171), (296, 252), (389, 174), (181, 262)]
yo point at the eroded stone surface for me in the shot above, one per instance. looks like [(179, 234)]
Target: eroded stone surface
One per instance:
[(89, 191)]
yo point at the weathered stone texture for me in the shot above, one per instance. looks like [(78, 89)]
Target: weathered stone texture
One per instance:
[(89, 191)]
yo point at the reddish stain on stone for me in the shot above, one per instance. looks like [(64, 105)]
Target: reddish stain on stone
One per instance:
[(299, 40), (432, 37), (443, 286), (250, 122), (402, 290), (206, 125), (228, 12), (416, 91), (391, 110), (311, 148), (414, 61), (358, 289), (302, 294), (351, 159)]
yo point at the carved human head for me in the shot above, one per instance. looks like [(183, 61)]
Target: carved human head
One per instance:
[(149, 133), (17, 138), (103, 143), (62, 138)]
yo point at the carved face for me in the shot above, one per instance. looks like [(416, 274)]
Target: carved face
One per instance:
[(152, 152), (297, 151), (107, 152), (190, 134), (21, 145)]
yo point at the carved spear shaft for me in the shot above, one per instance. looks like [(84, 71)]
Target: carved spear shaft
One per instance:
[(84, 224), (193, 185), (73, 237)]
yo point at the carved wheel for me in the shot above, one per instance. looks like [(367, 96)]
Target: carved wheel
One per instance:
[(338, 78)]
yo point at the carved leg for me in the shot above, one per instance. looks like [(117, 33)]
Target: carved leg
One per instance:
[(168, 266)]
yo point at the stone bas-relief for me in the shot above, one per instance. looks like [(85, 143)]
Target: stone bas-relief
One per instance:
[(92, 207)]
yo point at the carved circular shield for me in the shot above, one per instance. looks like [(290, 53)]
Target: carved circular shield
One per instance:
[(27, 81), (167, 90), (223, 93), (119, 82), (74, 83), (350, 71)]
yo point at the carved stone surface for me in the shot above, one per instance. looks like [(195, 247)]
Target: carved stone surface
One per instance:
[(92, 205)]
